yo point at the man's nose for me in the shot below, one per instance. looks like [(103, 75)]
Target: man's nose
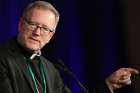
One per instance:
[(37, 31)]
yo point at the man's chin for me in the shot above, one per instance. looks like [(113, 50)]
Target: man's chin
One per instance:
[(33, 49)]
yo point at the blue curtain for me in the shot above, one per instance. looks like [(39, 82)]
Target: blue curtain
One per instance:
[(90, 37)]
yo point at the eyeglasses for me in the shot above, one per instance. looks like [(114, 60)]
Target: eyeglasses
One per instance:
[(33, 26)]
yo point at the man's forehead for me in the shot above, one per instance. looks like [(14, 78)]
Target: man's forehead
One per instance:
[(29, 12)]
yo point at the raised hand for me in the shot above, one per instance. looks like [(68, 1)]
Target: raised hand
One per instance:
[(120, 78)]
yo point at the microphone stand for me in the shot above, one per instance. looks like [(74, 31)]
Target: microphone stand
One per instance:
[(60, 65)]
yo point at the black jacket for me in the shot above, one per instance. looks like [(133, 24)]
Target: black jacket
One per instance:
[(13, 72)]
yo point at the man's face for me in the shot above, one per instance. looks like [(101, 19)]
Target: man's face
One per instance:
[(34, 30)]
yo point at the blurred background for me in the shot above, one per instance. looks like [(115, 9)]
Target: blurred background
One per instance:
[(93, 39)]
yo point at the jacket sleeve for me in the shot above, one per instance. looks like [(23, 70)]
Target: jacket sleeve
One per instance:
[(5, 85)]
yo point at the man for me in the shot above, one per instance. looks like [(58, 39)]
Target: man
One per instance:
[(22, 69), (18, 74)]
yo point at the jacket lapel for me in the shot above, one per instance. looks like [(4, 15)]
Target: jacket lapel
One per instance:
[(21, 61), (23, 65)]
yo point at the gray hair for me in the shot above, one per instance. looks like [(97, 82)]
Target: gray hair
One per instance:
[(42, 5)]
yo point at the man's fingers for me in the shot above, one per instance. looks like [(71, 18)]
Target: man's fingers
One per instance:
[(132, 70), (125, 81), (123, 77)]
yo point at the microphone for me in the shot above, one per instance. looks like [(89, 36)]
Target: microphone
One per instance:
[(60, 65)]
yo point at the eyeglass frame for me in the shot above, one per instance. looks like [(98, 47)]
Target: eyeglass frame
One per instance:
[(36, 26)]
